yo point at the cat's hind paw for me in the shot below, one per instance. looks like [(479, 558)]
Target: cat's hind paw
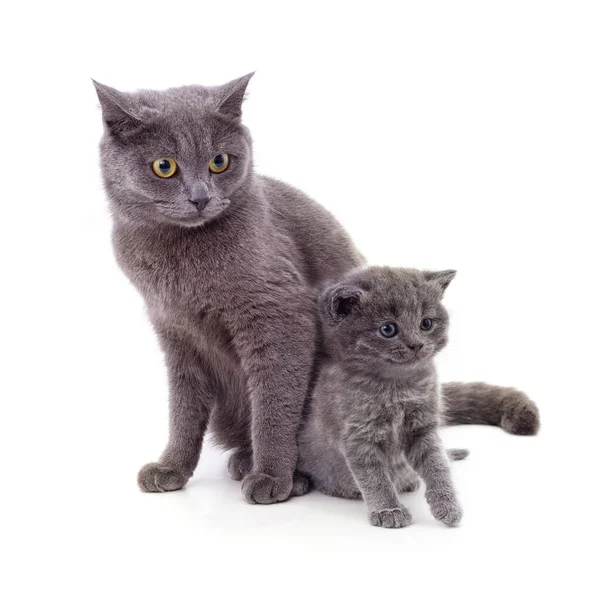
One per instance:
[(240, 464), (302, 485), (262, 488), (155, 477), (391, 518)]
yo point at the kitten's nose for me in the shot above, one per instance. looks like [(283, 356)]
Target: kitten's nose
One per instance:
[(199, 201), (415, 347)]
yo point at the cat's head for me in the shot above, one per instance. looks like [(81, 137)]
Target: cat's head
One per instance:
[(177, 156), (381, 319)]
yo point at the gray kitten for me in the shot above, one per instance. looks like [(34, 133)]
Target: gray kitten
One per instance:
[(228, 262), (376, 407)]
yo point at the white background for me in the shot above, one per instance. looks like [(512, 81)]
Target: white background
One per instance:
[(443, 135)]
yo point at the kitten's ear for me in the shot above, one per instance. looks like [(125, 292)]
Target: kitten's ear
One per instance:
[(118, 112), (231, 96), (338, 301), (441, 278)]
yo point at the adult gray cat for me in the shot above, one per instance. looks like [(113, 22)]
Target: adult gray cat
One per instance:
[(227, 262), (376, 405)]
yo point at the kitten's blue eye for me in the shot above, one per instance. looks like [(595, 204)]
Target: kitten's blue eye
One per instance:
[(219, 163), (426, 324), (388, 330)]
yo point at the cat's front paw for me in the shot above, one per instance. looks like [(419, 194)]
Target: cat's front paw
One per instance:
[(155, 477), (391, 518), (445, 509), (262, 488)]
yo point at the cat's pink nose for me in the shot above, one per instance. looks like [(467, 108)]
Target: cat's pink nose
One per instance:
[(415, 347)]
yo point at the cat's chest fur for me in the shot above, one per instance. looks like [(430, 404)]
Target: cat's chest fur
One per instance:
[(199, 283), (180, 274), (186, 282)]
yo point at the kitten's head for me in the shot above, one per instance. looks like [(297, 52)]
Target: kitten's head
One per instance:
[(381, 319), (177, 156)]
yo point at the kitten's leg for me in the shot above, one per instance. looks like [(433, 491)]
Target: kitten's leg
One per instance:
[(278, 361), (190, 403), (428, 458), (403, 476), (337, 482), (377, 489)]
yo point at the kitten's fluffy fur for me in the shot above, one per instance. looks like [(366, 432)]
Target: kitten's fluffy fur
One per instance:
[(229, 288), (376, 405)]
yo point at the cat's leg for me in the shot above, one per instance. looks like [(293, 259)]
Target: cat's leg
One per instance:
[(190, 403), (278, 361), (369, 469), (240, 463), (428, 458), (403, 476)]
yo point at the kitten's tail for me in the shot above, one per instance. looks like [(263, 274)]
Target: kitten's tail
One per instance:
[(457, 454), (480, 403)]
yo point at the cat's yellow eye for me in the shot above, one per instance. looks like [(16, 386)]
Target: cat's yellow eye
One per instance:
[(219, 163), (164, 167)]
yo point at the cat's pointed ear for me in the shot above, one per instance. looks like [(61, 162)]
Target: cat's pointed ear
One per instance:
[(441, 278), (118, 112), (337, 302), (231, 96)]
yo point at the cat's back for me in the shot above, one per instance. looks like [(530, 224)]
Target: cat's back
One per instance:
[(326, 248)]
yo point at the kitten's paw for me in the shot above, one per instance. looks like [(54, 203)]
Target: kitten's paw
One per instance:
[(240, 464), (446, 510), (155, 477), (301, 486), (520, 415), (391, 518), (261, 488), (410, 484)]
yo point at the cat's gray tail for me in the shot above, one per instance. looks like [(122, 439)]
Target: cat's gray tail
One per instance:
[(457, 454), (480, 403)]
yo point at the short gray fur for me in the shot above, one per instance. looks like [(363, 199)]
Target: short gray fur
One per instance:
[(230, 289), (373, 423)]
